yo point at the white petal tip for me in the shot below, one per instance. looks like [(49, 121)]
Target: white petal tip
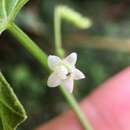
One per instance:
[(53, 61), (69, 85), (83, 75), (70, 91), (50, 56), (74, 54), (77, 74), (71, 59), (53, 81), (50, 84)]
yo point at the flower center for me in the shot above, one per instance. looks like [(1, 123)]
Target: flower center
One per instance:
[(68, 74), (68, 67)]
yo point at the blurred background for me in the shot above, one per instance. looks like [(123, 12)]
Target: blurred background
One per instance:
[(103, 50)]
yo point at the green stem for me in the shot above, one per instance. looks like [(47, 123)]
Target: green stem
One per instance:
[(41, 57), (75, 106), (57, 28), (28, 44)]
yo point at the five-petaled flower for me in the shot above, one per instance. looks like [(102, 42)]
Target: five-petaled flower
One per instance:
[(64, 71)]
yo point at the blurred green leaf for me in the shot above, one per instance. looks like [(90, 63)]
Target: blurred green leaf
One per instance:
[(11, 111), (8, 11)]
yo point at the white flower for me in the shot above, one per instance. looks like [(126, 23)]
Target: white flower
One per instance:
[(64, 71)]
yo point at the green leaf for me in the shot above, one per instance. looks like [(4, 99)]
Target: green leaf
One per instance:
[(12, 112), (8, 11)]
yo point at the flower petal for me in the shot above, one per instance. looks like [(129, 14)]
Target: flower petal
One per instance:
[(77, 74), (61, 72), (71, 59), (53, 80), (68, 84), (53, 61)]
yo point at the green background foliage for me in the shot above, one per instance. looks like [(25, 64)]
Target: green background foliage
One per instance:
[(111, 22)]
